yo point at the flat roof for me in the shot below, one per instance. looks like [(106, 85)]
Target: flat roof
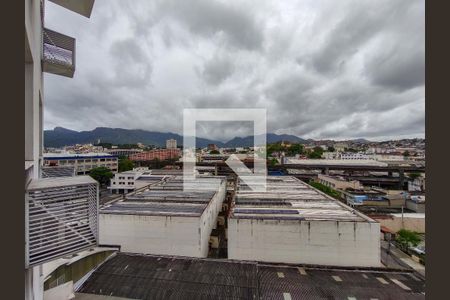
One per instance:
[(166, 197), (344, 162), (288, 198), (138, 276), (78, 155)]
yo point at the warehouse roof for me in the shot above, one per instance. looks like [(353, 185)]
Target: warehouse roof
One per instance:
[(166, 197), (138, 276), (288, 198)]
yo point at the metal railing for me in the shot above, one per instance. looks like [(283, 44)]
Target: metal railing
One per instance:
[(58, 55), (61, 217)]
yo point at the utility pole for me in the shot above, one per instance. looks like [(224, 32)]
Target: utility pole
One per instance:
[(403, 223)]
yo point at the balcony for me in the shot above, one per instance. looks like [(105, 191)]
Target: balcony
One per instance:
[(61, 217), (58, 53), (82, 7)]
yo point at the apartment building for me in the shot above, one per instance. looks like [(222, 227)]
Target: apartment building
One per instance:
[(122, 152), (60, 212), (161, 154), (124, 182), (171, 144), (83, 163)]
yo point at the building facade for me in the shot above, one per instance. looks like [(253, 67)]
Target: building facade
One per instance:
[(60, 213), (83, 163), (122, 152), (124, 182), (338, 182), (161, 154), (171, 144)]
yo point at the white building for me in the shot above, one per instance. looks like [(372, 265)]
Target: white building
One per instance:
[(293, 223), (355, 155), (124, 182), (83, 163), (60, 213), (171, 144), (417, 184), (164, 219)]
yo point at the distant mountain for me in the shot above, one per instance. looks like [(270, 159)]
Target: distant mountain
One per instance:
[(271, 138), (59, 137)]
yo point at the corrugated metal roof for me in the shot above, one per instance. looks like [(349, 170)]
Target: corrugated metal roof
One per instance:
[(163, 277), (288, 198)]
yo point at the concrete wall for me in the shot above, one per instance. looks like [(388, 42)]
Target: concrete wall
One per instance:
[(61, 292), (152, 234), (306, 242), (209, 217), (409, 223)]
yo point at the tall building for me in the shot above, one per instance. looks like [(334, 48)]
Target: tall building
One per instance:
[(171, 144), (60, 213)]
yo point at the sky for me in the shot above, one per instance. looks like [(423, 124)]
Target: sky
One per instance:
[(322, 69)]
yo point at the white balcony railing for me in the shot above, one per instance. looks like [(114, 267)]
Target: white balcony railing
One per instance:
[(61, 217), (58, 53)]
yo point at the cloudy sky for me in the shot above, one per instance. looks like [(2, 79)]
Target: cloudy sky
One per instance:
[(322, 69)]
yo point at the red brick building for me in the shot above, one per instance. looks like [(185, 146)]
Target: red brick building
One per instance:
[(161, 154)]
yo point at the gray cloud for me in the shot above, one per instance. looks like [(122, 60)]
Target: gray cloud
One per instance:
[(217, 70), (213, 18), (331, 69)]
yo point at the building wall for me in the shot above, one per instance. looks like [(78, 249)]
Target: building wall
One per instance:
[(61, 292), (33, 85), (171, 144), (166, 235), (83, 165), (161, 154), (307, 242), (33, 119), (410, 223), (338, 184), (123, 181), (209, 217)]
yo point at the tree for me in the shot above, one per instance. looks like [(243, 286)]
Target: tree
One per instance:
[(101, 174), (273, 162), (406, 153), (316, 153), (294, 149), (125, 165), (214, 152), (331, 149), (407, 238), (413, 176)]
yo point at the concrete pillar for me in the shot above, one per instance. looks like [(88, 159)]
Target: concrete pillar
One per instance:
[(401, 179)]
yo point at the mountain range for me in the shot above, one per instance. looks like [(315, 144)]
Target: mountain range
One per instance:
[(59, 137)]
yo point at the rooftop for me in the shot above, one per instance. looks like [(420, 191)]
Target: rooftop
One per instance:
[(135, 276), (166, 197), (76, 155), (345, 162), (288, 198)]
